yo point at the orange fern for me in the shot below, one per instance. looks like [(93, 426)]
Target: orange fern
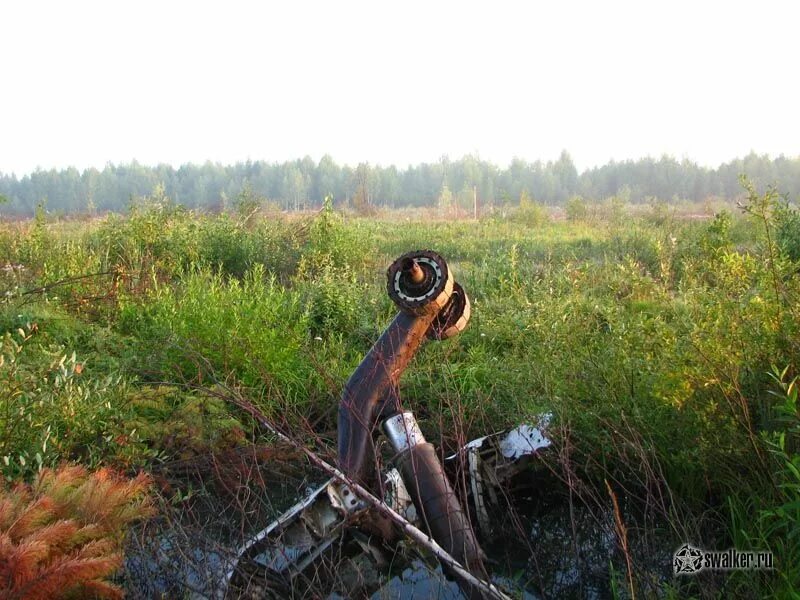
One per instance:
[(62, 535)]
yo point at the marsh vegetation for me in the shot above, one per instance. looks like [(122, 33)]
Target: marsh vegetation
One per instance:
[(664, 340)]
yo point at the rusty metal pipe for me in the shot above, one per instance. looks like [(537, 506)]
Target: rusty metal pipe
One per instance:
[(420, 284), (422, 287), (374, 380), (432, 493), (439, 507)]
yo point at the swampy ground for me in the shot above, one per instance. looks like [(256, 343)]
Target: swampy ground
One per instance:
[(664, 340)]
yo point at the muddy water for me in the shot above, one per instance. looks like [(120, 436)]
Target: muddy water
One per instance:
[(546, 545)]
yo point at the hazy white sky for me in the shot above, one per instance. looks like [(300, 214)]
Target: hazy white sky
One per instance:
[(85, 83)]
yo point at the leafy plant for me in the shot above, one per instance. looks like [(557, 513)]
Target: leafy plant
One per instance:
[(49, 410), (165, 423), (787, 219), (776, 526), (577, 209), (530, 212)]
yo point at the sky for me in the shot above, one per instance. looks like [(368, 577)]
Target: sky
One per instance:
[(87, 83)]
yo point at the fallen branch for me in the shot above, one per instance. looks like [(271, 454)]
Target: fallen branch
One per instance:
[(45, 288)]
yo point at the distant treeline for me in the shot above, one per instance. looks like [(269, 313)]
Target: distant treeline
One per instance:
[(304, 183)]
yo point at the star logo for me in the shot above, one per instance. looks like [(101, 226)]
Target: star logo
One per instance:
[(687, 559)]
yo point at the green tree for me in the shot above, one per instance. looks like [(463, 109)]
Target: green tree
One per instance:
[(294, 188), (531, 212), (576, 208), (391, 186), (327, 177), (365, 186), (445, 200)]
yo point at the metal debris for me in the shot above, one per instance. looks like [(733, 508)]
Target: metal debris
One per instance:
[(298, 540), (525, 439)]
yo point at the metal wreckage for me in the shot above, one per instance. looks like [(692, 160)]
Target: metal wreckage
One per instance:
[(389, 506), (334, 534)]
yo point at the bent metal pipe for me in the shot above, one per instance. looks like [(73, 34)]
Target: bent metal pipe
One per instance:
[(422, 286)]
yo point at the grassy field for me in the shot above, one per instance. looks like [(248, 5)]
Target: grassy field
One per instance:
[(665, 344)]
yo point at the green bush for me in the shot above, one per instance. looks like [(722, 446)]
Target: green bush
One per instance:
[(165, 423), (788, 230), (213, 326), (770, 521), (576, 209), (530, 212), (51, 410)]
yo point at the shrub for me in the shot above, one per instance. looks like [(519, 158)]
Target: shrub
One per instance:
[(660, 212), (213, 326), (50, 409), (530, 212), (165, 423), (332, 300), (326, 242), (577, 209), (61, 536), (717, 235), (771, 521), (224, 244), (787, 220), (248, 204)]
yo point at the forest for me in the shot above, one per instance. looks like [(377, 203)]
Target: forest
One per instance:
[(304, 183)]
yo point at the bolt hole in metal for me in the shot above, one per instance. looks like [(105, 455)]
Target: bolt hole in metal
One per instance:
[(413, 271)]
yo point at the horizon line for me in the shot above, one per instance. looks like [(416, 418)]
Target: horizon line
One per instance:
[(401, 167)]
